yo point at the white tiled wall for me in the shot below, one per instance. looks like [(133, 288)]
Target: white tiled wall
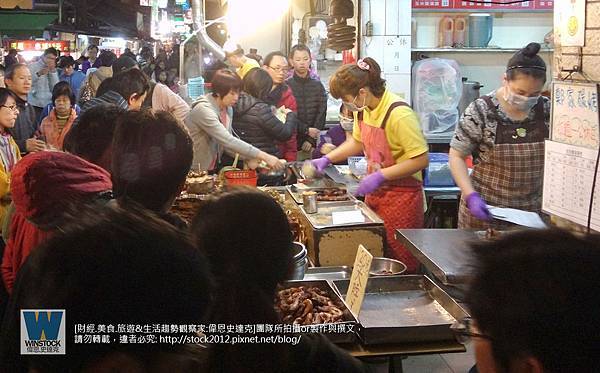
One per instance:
[(390, 44)]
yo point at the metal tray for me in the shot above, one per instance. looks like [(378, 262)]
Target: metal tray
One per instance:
[(328, 273), (405, 309), (349, 319), (323, 218), (296, 193)]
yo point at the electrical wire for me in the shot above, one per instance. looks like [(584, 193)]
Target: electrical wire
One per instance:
[(590, 211)]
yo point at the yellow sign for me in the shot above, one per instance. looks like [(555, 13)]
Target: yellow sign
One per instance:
[(569, 19), (358, 281), (10, 4)]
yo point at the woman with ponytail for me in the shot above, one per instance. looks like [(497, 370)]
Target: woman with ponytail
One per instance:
[(248, 242), (388, 131), (505, 132)]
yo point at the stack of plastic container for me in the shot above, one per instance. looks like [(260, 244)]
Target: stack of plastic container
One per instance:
[(195, 87)]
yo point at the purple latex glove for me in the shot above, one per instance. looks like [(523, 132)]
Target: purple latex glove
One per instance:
[(321, 163), (370, 183), (477, 207)]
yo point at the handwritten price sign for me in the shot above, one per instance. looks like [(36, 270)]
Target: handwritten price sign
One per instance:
[(575, 114), (358, 281)]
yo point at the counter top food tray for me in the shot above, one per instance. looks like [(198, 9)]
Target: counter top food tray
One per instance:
[(444, 252), (404, 309), (324, 217), (350, 322), (328, 273), (296, 192)]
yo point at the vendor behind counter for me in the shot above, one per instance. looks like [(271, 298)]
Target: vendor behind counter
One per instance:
[(388, 132)]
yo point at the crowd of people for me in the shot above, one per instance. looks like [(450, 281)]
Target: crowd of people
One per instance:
[(93, 159)]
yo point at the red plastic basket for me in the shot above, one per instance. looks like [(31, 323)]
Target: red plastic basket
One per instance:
[(241, 177)]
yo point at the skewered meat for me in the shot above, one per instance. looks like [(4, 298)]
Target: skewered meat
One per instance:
[(332, 194), (306, 306), (490, 234)]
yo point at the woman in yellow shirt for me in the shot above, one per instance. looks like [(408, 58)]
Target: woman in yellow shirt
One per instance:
[(388, 132), (9, 151)]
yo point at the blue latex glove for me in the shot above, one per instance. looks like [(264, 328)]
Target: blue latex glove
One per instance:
[(321, 163), (370, 183), (477, 207)]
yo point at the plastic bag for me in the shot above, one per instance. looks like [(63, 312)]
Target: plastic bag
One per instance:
[(437, 90)]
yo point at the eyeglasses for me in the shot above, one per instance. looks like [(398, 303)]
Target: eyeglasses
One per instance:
[(11, 107), (465, 329), (279, 69)]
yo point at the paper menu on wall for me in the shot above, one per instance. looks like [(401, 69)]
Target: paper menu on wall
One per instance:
[(575, 114), (568, 178)]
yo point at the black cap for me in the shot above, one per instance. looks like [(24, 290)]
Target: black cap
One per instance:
[(123, 63)]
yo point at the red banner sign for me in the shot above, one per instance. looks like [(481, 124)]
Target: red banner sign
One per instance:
[(432, 4), (467, 5), (40, 45)]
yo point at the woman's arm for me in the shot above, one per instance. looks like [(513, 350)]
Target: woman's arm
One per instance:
[(207, 120), (467, 138), (349, 148), (460, 173), (406, 168), (274, 127)]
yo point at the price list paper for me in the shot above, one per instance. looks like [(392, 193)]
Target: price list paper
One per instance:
[(568, 178)]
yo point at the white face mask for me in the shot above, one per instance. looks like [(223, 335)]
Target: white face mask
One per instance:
[(346, 123), (353, 107), (520, 102)]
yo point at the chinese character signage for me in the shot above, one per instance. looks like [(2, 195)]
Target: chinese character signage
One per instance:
[(358, 280), (432, 4), (575, 114), (544, 4), (40, 45), (474, 5)]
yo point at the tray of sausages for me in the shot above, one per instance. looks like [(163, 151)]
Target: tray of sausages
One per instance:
[(329, 194), (315, 303)]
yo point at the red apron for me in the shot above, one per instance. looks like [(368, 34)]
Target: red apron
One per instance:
[(512, 174), (399, 202)]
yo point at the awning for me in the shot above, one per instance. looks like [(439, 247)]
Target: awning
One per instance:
[(15, 22)]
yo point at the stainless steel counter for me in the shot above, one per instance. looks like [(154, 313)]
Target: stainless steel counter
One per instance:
[(444, 252)]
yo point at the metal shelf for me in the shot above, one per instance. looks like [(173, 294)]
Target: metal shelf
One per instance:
[(445, 139), (475, 50)]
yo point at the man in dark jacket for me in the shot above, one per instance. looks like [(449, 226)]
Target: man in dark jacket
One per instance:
[(311, 99), (18, 80)]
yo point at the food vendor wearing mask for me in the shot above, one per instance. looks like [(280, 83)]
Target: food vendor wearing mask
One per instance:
[(388, 131), (505, 132), (336, 135)]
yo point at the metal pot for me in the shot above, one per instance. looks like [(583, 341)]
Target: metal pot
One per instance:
[(386, 267), (300, 261), (470, 93)]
